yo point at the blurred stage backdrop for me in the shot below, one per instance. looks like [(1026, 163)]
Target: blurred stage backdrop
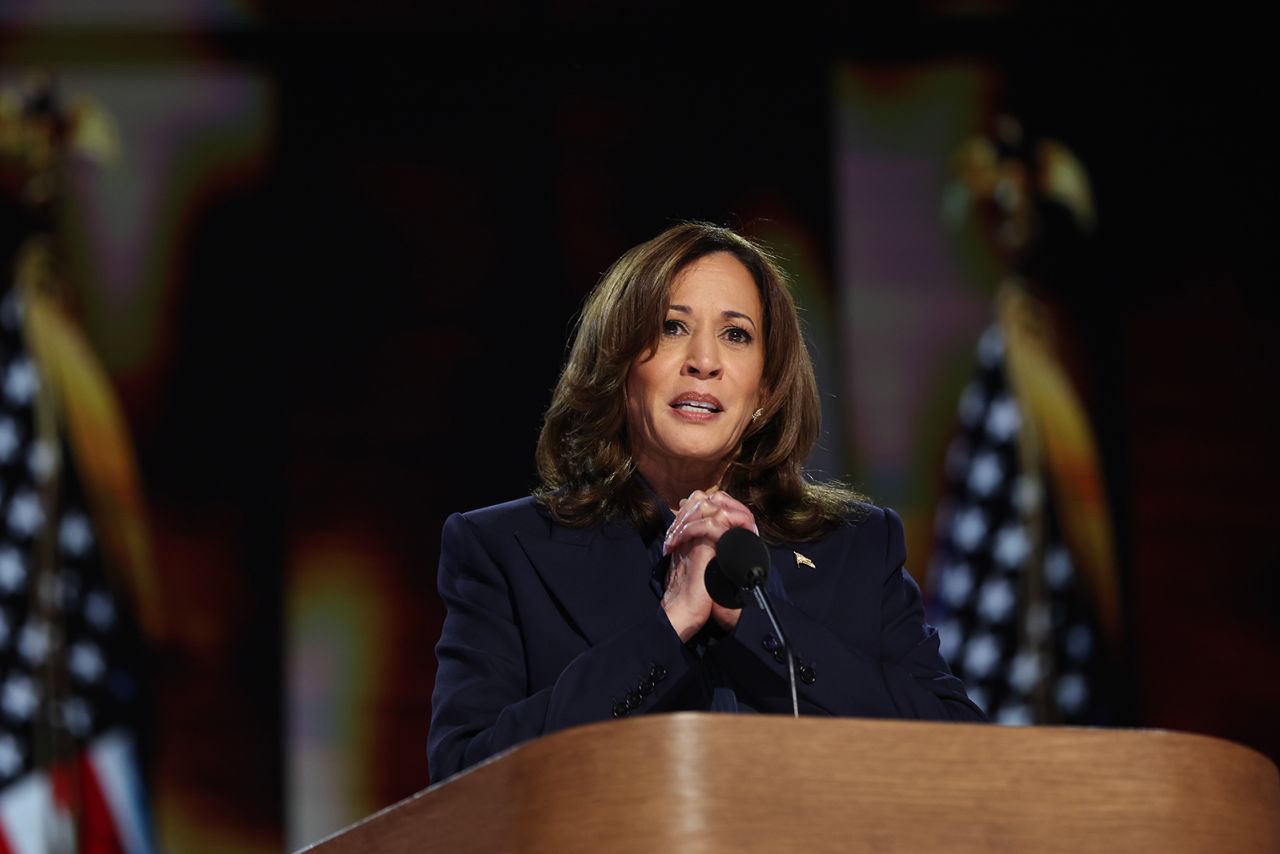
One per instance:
[(321, 265)]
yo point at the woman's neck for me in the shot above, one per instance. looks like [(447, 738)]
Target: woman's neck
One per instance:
[(675, 480)]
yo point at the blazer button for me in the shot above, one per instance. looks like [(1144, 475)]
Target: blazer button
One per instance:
[(778, 656), (807, 674), (658, 673), (646, 688), (620, 710), (770, 643), (633, 700)]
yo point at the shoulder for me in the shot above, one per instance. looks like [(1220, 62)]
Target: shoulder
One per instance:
[(488, 536), (863, 520), (883, 521), (524, 518), (527, 511), (525, 514)]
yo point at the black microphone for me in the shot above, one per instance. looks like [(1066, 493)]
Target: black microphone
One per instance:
[(723, 591), (741, 565), (743, 557)]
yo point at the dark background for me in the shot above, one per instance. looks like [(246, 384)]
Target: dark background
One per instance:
[(369, 330)]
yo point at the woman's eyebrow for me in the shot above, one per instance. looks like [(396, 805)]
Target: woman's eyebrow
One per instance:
[(730, 313)]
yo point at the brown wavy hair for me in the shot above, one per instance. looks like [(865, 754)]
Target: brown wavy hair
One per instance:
[(584, 460)]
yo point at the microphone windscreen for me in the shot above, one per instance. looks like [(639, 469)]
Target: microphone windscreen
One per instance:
[(722, 590), (743, 556)]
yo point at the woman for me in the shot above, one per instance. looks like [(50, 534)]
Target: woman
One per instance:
[(687, 407)]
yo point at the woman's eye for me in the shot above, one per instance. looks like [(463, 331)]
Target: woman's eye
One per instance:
[(672, 327), (737, 335)]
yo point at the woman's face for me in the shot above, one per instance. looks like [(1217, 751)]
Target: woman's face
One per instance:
[(692, 400)]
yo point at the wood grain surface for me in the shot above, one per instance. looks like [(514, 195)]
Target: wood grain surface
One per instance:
[(703, 783)]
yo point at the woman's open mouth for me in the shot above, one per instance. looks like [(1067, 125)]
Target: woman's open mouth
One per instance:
[(695, 406)]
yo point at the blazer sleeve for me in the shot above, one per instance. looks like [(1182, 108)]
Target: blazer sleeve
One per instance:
[(483, 702), (907, 678)]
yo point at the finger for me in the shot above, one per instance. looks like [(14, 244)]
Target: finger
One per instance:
[(712, 527), (742, 514), (693, 506), (736, 512), (686, 506), (736, 509), (740, 519), (693, 510), (709, 527), (689, 509), (724, 499), (695, 500), (693, 526)]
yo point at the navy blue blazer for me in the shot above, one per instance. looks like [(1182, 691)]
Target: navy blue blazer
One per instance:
[(548, 627)]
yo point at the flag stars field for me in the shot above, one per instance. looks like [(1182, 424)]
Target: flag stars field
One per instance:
[(957, 584), (9, 441), (1003, 420), (996, 600), (10, 757), (969, 528), (1011, 547), (99, 610), (1003, 643), (21, 382), (19, 698), (34, 642), (981, 655), (13, 571), (986, 474), (85, 662), (66, 649), (75, 536), (26, 517)]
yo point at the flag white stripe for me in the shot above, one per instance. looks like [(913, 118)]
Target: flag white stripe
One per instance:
[(113, 759), (25, 812)]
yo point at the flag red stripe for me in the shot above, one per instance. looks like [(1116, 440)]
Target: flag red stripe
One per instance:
[(80, 789), (99, 834)]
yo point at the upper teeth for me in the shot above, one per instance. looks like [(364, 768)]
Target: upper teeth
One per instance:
[(697, 404)]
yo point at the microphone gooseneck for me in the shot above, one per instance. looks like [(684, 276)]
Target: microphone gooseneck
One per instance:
[(742, 564)]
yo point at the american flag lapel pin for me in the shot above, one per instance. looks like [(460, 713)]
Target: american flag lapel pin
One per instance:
[(801, 560)]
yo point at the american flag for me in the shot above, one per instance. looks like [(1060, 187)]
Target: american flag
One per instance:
[(69, 772), (1015, 620)]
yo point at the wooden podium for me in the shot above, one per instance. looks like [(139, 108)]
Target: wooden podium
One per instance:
[(707, 783)]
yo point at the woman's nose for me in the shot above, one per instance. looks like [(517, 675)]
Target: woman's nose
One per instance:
[(703, 358)]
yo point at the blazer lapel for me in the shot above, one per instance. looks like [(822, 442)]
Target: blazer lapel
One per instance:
[(600, 576)]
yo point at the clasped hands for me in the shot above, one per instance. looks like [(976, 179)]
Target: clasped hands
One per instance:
[(691, 541)]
